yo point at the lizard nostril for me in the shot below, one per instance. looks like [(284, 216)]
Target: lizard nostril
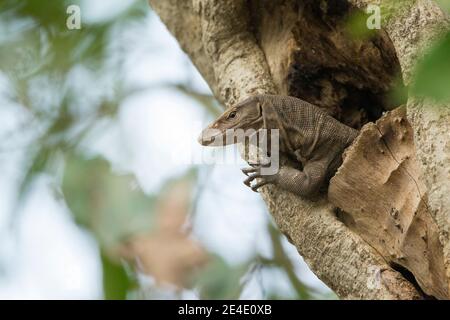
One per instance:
[(205, 138), (201, 139)]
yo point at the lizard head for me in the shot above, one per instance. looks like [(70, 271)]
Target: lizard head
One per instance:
[(245, 115)]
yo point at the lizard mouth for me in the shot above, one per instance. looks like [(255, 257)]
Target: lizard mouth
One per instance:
[(210, 139)]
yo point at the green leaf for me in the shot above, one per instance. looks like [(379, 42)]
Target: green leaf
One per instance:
[(432, 78), (116, 281)]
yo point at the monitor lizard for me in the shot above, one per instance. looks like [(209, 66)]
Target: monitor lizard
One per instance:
[(306, 133)]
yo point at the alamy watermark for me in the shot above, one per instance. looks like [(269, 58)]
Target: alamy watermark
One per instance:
[(258, 147), (73, 21), (374, 20), (374, 279)]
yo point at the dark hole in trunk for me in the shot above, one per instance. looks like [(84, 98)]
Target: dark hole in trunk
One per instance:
[(410, 277), (354, 79)]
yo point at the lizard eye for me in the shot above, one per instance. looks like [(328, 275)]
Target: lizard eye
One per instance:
[(232, 115)]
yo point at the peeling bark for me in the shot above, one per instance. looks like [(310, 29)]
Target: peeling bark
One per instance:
[(388, 208)]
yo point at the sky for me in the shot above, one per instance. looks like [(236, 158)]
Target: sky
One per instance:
[(46, 255)]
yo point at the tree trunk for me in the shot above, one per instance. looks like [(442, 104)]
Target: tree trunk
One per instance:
[(300, 48)]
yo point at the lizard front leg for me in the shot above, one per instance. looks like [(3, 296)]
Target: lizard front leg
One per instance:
[(303, 183)]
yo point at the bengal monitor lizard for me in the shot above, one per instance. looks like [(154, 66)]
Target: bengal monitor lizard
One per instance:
[(306, 134)]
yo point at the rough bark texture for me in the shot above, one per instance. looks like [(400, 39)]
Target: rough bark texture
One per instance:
[(300, 48), (320, 63), (389, 207), (412, 29)]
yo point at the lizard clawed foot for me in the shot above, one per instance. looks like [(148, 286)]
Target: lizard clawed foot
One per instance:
[(254, 173), (247, 171)]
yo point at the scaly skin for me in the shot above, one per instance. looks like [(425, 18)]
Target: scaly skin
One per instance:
[(307, 134)]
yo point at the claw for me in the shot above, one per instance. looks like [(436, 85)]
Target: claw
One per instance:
[(259, 185), (254, 172), (246, 171), (250, 178)]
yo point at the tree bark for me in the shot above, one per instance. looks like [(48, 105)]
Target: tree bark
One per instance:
[(413, 29), (389, 207), (241, 50)]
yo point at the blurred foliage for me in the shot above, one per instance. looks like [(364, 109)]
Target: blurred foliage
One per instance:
[(356, 25), (110, 205), (445, 4), (168, 253), (220, 280), (398, 94), (116, 281), (207, 101), (433, 72), (358, 21), (40, 55)]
